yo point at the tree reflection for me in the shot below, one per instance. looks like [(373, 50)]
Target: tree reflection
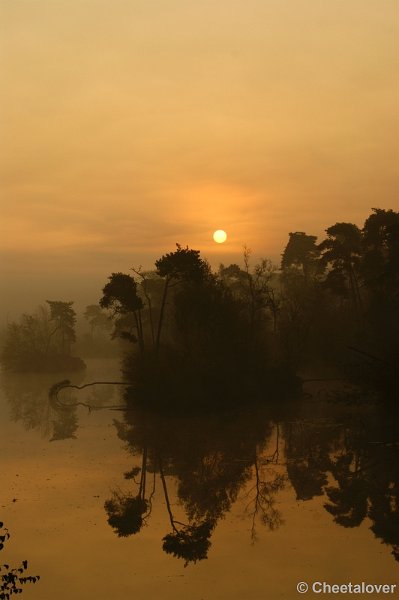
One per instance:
[(190, 542), (262, 497), (367, 486), (65, 424), (308, 448), (31, 404), (211, 460), (126, 513), (360, 453), (348, 455), (215, 459)]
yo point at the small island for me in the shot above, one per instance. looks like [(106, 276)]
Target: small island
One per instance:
[(42, 342)]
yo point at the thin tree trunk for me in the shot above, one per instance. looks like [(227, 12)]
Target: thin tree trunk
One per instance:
[(139, 332), (165, 490), (161, 316), (143, 474)]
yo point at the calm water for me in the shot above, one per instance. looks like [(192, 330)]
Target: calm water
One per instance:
[(113, 503)]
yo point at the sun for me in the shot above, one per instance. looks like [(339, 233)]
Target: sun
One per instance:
[(220, 236)]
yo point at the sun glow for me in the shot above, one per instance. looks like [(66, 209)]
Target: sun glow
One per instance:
[(220, 236)]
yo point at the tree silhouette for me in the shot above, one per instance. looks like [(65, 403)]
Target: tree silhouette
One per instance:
[(96, 318), (188, 541), (303, 254), (184, 265), (64, 318), (120, 295), (342, 252), (126, 513), (380, 265), (191, 542), (262, 503), (368, 487)]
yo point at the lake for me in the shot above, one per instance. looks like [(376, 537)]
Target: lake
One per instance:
[(241, 505)]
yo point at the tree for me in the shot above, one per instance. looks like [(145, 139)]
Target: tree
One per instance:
[(260, 295), (147, 282), (341, 251), (120, 295), (21, 343), (253, 287), (42, 340), (379, 269), (380, 264), (299, 301), (183, 265), (64, 318), (212, 331), (96, 318), (302, 253)]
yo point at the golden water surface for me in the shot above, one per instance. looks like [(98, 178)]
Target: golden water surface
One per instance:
[(118, 503)]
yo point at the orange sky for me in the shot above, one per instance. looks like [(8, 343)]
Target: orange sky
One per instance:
[(130, 125)]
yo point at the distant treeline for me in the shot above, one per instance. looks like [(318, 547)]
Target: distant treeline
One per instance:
[(189, 331), (43, 341)]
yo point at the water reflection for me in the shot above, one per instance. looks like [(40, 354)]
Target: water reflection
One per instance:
[(308, 449), (345, 454), (205, 462), (366, 473), (30, 403), (201, 466)]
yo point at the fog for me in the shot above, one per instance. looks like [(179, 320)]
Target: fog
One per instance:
[(129, 129)]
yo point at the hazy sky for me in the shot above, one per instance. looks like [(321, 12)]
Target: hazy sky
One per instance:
[(129, 125)]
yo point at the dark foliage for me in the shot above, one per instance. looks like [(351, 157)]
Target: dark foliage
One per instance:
[(190, 543), (184, 263), (120, 294), (42, 342), (125, 514), (13, 579)]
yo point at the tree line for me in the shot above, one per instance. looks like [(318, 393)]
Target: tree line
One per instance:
[(333, 303), (243, 327), (341, 297), (45, 339)]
